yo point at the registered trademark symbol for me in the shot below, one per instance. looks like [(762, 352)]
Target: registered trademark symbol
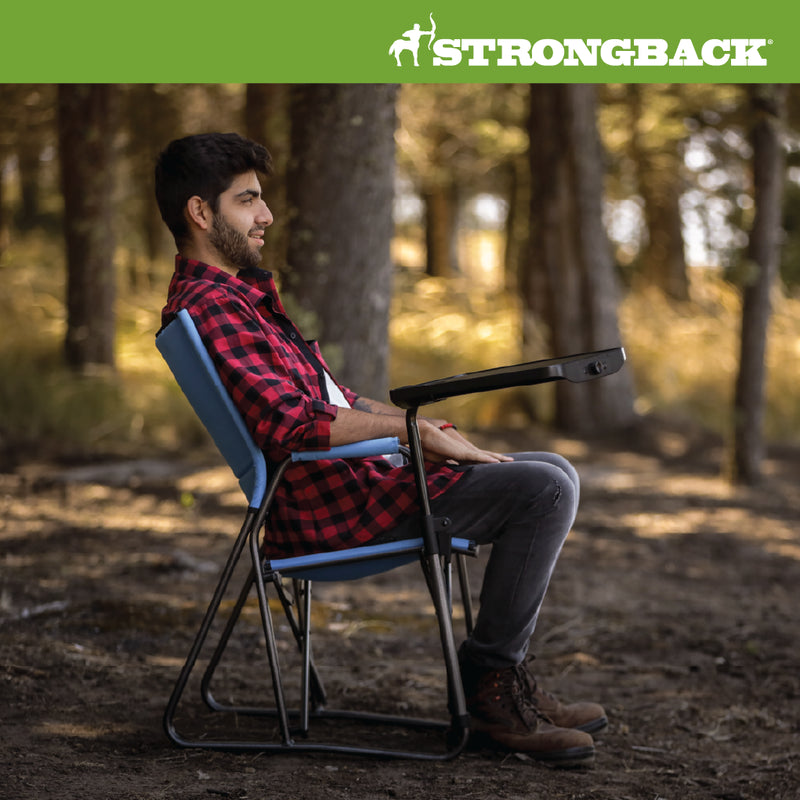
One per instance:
[(771, 41)]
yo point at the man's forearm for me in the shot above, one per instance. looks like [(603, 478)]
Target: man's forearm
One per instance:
[(376, 407), (355, 425)]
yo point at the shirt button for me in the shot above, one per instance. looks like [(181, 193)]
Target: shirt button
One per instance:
[(292, 335)]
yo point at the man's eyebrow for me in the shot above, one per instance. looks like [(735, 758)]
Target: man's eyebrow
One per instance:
[(249, 192)]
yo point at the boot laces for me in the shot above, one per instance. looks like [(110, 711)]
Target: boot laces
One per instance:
[(530, 687), (522, 692)]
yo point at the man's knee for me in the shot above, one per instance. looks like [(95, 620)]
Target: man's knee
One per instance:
[(554, 459), (543, 488)]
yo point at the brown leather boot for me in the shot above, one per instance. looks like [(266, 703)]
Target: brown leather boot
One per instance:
[(588, 717), (500, 712)]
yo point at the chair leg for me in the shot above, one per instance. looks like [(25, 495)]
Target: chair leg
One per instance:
[(300, 632), (251, 527), (459, 719), (269, 638), (216, 656), (316, 695), (205, 627), (466, 595), (433, 570), (307, 662), (441, 602), (312, 686)]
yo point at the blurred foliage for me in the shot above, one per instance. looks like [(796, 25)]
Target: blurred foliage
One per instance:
[(790, 251), (471, 136), (441, 327), (683, 357), (704, 124), (456, 143), (47, 410), (466, 131)]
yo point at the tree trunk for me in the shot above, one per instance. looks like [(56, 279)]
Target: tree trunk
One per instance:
[(3, 233), (663, 260), (12, 97), (659, 171), (152, 112), (340, 191), (570, 275), (266, 121), (35, 125), (29, 155), (516, 226), (768, 106), (441, 259), (86, 129)]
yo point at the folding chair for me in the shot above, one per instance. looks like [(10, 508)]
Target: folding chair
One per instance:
[(182, 348)]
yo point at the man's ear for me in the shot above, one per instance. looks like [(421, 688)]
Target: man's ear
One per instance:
[(199, 212)]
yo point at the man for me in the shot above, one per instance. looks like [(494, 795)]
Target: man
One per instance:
[(209, 194)]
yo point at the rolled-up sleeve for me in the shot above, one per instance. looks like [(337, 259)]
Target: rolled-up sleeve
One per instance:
[(269, 381)]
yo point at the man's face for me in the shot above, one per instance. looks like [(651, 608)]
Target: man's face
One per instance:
[(237, 229)]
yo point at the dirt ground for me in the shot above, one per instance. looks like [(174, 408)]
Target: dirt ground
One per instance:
[(674, 604)]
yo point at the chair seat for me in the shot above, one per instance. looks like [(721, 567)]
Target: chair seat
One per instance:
[(359, 562)]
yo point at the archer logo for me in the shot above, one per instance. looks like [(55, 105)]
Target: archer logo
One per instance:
[(410, 41), (548, 52)]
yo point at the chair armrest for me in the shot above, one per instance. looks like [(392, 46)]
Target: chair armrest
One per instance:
[(369, 447), (577, 368)]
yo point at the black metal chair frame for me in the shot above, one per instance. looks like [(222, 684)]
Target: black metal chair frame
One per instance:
[(181, 346)]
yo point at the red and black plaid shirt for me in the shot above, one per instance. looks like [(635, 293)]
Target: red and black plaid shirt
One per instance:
[(275, 379)]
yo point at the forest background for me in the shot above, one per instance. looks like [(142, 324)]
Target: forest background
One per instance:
[(421, 231)]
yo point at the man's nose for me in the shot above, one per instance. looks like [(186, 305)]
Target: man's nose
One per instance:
[(265, 215)]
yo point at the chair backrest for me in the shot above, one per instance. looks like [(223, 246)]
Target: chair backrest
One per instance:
[(186, 355)]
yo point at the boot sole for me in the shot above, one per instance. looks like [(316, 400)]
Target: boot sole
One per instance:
[(595, 726), (574, 758), (571, 758)]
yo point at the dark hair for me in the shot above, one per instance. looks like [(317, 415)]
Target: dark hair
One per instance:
[(204, 165)]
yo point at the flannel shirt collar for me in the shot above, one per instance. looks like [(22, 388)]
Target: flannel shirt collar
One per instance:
[(257, 285)]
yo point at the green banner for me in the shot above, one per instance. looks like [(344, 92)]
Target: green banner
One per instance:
[(438, 41)]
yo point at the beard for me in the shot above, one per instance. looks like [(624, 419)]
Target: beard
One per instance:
[(232, 245)]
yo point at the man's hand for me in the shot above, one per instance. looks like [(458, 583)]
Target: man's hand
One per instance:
[(450, 445), (357, 424)]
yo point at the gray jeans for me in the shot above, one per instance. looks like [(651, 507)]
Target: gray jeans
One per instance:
[(525, 510)]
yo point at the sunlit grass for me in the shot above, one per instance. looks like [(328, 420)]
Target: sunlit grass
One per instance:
[(683, 358), (45, 408), (441, 327)]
